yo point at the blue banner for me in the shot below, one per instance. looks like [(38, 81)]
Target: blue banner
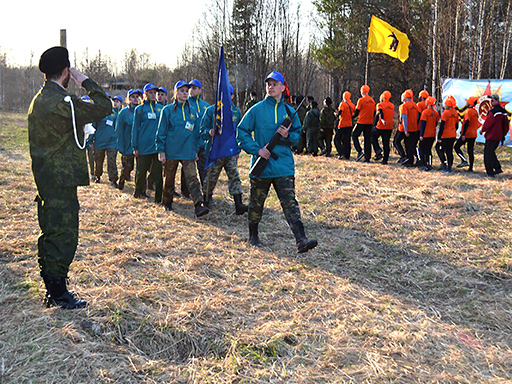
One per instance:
[(224, 142), (461, 89)]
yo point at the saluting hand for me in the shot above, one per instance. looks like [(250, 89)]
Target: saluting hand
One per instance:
[(77, 76)]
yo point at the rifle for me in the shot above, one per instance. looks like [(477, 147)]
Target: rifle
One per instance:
[(260, 164)]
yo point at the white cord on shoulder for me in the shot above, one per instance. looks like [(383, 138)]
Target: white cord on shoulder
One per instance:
[(68, 99)]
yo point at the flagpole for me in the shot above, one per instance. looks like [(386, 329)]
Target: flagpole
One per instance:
[(366, 70)]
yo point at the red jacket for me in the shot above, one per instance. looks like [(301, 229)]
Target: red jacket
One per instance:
[(496, 124)]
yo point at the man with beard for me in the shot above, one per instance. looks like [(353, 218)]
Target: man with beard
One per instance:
[(59, 166)]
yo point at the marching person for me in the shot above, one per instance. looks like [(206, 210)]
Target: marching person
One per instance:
[(229, 164), (199, 105), (312, 127), (161, 96), (345, 112), (400, 135), (448, 132), (365, 111), (59, 166), (124, 124), (327, 122), (263, 121), (383, 127), (105, 144), (252, 101), (145, 124), (89, 144), (495, 128), (428, 126), (301, 112), (409, 120), (117, 101), (468, 134), (177, 141)]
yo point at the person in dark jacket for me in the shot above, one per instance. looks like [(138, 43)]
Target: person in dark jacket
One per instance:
[(311, 126), (327, 122), (495, 128), (59, 165)]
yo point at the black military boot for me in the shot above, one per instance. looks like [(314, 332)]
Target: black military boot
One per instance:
[(303, 243), (240, 207), (58, 295), (253, 235), (121, 183), (200, 209)]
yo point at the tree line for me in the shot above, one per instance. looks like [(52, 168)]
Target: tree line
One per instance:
[(320, 54)]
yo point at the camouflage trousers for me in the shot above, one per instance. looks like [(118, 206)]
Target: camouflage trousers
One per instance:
[(230, 165), (57, 211), (127, 162), (201, 161), (90, 157), (189, 169), (99, 158), (285, 189)]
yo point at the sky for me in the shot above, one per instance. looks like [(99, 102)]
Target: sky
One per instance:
[(30, 27)]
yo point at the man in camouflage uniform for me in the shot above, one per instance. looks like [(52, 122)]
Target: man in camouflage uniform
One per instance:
[(229, 164), (59, 166), (254, 132), (252, 101)]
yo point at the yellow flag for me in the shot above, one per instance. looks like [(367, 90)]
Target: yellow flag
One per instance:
[(383, 38)]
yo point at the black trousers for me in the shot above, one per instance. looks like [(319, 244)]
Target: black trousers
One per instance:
[(410, 146), (325, 140), (426, 150), (491, 162), (447, 150), (386, 136), (366, 130), (342, 141), (471, 150), (397, 143)]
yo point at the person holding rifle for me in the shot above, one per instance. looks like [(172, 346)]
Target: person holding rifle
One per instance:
[(256, 130)]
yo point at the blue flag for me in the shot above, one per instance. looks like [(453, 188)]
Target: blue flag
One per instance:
[(224, 142)]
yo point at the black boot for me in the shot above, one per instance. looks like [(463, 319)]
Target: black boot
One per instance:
[(58, 295), (303, 243), (240, 207), (200, 209), (253, 235), (121, 183)]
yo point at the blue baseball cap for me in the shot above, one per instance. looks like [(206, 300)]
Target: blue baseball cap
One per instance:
[(86, 98), (274, 75), (118, 98), (196, 82), (149, 87), (181, 83), (138, 90), (230, 89), (132, 91), (163, 89)]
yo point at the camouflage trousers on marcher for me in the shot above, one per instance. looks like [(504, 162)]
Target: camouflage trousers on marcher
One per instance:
[(189, 168), (99, 158), (230, 165), (285, 189), (90, 157), (57, 210), (127, 162), (201, 161)]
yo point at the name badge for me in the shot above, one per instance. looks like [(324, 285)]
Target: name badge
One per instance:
[(109, 122), (189, 126), (151, 115)]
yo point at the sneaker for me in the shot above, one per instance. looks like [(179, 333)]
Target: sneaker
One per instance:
[(378, 156), (360, 155), (462, 164), (498, 171), (200, 210), (401, 160)]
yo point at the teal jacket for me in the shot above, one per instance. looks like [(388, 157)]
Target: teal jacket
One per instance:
[(207, 123), (200, 106), (258, 126), (145, 125), (124, 124), (105, 136), (178, 132)]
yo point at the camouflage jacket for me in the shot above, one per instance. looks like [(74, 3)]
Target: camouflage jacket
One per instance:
[(327, 119), (56, 159)]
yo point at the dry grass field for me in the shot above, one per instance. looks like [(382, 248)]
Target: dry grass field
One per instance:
[(411, 282)]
